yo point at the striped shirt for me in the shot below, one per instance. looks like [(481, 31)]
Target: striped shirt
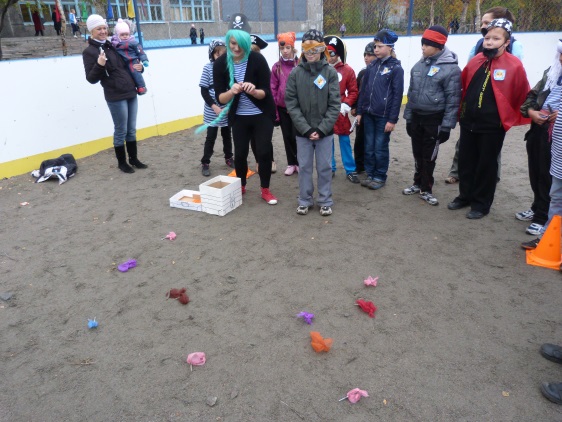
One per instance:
[(556, 149), (553, 99), (207, 82), (245, 106)]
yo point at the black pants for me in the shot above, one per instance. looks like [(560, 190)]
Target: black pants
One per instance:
[(538, 154), (289, 136), (39, 32), (212, 133), (359, 149), (425, 148), (260, 128), (478, 168)]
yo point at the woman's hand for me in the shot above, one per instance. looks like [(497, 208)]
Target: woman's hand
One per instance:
[(101, 58), (248, 88), (138, 67)]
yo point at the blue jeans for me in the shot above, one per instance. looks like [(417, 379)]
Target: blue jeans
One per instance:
[(555, 207), (124, 114), (346, 155), (377, 155)]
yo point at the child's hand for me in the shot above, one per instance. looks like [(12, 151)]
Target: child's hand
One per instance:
[(248, 87), (314, 136), (236, 89), (537, 117), (145, 63), (389, 127), (216, 109), (137, 67)]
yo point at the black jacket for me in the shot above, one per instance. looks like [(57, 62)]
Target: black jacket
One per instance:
[(257, 72), (117, 82)]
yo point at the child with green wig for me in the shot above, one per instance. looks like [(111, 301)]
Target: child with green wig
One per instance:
[(241, 78)]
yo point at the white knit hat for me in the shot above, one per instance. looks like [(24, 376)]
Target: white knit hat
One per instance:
[(94, 21)]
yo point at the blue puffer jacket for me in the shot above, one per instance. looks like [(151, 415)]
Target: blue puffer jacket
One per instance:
[(382, 89)]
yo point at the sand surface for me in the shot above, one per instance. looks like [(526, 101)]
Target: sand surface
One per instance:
[(460, 317)]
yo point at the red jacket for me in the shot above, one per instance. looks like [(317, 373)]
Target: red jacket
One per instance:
[(349, 94), (509, 83)]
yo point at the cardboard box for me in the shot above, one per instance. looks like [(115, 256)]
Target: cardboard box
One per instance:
[(187, 200), (221, 194)]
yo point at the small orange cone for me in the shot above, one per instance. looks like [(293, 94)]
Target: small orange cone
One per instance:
[(547, 253)]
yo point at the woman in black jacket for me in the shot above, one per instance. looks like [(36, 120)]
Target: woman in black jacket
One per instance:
[(241, 78), (103, 64)]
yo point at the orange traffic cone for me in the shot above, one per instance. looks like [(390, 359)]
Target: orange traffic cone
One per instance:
[(547, 253)]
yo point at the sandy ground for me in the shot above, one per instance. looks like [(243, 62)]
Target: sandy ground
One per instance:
[(460, 317)]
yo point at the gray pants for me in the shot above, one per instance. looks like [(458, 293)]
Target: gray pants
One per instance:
[(306, 151), (454, 172)]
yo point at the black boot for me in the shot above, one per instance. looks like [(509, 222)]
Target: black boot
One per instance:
[(122, 160), (133, 160)]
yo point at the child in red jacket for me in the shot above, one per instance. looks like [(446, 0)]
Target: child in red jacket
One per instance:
[(494, 85), (349, 94)]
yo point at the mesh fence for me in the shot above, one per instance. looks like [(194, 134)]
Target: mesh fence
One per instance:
[(183, 22), (459, 16)]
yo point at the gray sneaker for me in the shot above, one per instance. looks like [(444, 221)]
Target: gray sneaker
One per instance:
[(325, 211), (365, 182), (429, 198), (411, 190), (205, 170), (302, 210), (375, 184)]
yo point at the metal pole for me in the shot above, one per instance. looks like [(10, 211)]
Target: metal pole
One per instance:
[(410, 18), (275, 20), (137, 21)]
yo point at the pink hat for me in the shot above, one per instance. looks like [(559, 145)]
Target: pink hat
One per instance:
[(121, 27)]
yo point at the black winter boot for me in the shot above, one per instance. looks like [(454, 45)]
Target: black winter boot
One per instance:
[(122, 160), (133, 160)]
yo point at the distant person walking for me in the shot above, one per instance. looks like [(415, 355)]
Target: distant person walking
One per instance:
[(37, 23), (56, 20), (202, 35), (74, 22), (193, 34), (343, 29)]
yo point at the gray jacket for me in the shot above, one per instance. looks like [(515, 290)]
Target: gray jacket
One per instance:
[(309, 106), (435, 87)]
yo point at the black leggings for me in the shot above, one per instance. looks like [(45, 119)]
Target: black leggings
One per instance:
[(260, 128)]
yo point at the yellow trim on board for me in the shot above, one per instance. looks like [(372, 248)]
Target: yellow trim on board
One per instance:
[(27, 164)]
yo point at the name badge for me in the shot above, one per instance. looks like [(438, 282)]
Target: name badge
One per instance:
[(433, 70), (385, 71), (320, 81), (499, 74)]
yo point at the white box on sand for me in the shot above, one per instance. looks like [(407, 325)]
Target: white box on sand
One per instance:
[(220, 195), (187, 200)]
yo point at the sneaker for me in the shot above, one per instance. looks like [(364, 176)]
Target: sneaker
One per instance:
[(525, 215), (290, 170), (268, 197), (429, 198), (141, 90), (375, 184), (205, 170), (75, 36), (273, 167), (229, 162), (365, 182), (534, 229), (411, 190), (325, 211), (302, 210), (531, 244), (352, 177), (243, 190)]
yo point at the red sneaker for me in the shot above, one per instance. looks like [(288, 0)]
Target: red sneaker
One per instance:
[(141, 90), (268, 197), (243, 190)]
